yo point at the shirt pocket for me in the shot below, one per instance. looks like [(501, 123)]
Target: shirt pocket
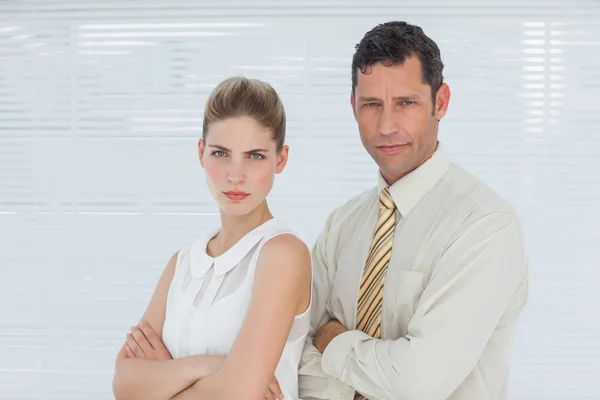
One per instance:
[(402, 292)]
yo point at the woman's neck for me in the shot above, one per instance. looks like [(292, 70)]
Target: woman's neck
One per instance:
[(235, 227)]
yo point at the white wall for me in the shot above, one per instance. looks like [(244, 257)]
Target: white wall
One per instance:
[(101, 106)]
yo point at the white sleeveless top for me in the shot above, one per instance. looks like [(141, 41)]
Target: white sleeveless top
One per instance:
[(209, 297)]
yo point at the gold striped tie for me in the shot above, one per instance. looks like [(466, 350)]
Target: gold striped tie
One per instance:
[(370, 297)]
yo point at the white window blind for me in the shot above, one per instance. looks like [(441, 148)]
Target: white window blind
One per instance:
[(101, 107)]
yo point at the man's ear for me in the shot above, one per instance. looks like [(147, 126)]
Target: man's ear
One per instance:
[(353, 105), (442, 100)]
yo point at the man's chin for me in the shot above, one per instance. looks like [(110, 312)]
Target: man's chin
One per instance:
[(393, 172)]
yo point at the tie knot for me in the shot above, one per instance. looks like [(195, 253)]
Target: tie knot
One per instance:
[(385, 199)]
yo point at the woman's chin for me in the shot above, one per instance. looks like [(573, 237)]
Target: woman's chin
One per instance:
[(236, 209)]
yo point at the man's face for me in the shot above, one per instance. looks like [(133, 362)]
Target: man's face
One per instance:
[(396, 118)]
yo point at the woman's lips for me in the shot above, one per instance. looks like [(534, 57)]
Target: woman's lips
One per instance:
[(236, 196)]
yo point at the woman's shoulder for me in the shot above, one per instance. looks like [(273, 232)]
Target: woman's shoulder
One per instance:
[(285, 244), (281, 239), (285, 261)]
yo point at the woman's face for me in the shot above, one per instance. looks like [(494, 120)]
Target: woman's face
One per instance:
[(240, 159)]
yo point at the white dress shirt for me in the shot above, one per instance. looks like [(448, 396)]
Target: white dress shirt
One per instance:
[(209, 298), (455, 287)]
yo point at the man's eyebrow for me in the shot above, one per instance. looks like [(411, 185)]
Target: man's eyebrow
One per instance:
[(401, 98), (407, 97), (367, 99)]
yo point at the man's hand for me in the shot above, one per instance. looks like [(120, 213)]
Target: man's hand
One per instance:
[(327, 333), (144, 343)]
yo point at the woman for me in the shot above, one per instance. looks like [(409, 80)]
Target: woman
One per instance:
[(230, 313)]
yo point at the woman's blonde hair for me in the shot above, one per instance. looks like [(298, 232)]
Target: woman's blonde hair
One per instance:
[(243, 97)]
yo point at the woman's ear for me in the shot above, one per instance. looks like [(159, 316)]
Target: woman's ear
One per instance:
[(201, 151), (282, 159)]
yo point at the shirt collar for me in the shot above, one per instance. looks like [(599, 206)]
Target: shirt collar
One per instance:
[(411, 188), (201, 262)]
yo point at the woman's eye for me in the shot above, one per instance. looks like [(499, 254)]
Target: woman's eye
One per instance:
[(219, 153), (256, 156)]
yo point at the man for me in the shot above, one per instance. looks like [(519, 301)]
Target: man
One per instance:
[(419, 282)]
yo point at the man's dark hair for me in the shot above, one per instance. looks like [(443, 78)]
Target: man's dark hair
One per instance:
[(391, 43)]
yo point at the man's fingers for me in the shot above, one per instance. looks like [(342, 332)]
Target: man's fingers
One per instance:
[(134, 347)]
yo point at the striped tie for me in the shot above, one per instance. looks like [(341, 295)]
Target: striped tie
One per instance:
[(368, 317)]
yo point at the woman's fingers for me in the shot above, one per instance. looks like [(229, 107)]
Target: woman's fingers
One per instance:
[(134, 347), (128, 351), (274, 389), (141, 340), (160, 350)]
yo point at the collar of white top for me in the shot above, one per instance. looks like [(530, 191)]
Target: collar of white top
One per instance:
[(411, 188), (201, 262)]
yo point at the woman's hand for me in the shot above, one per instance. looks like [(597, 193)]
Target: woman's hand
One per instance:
[(143, 342), (274, 391)]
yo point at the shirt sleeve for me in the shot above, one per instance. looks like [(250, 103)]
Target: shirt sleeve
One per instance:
[(483, 268), (313, 382)]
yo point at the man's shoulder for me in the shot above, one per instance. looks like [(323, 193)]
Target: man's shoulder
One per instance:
[(474, 194), (355, 206)]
